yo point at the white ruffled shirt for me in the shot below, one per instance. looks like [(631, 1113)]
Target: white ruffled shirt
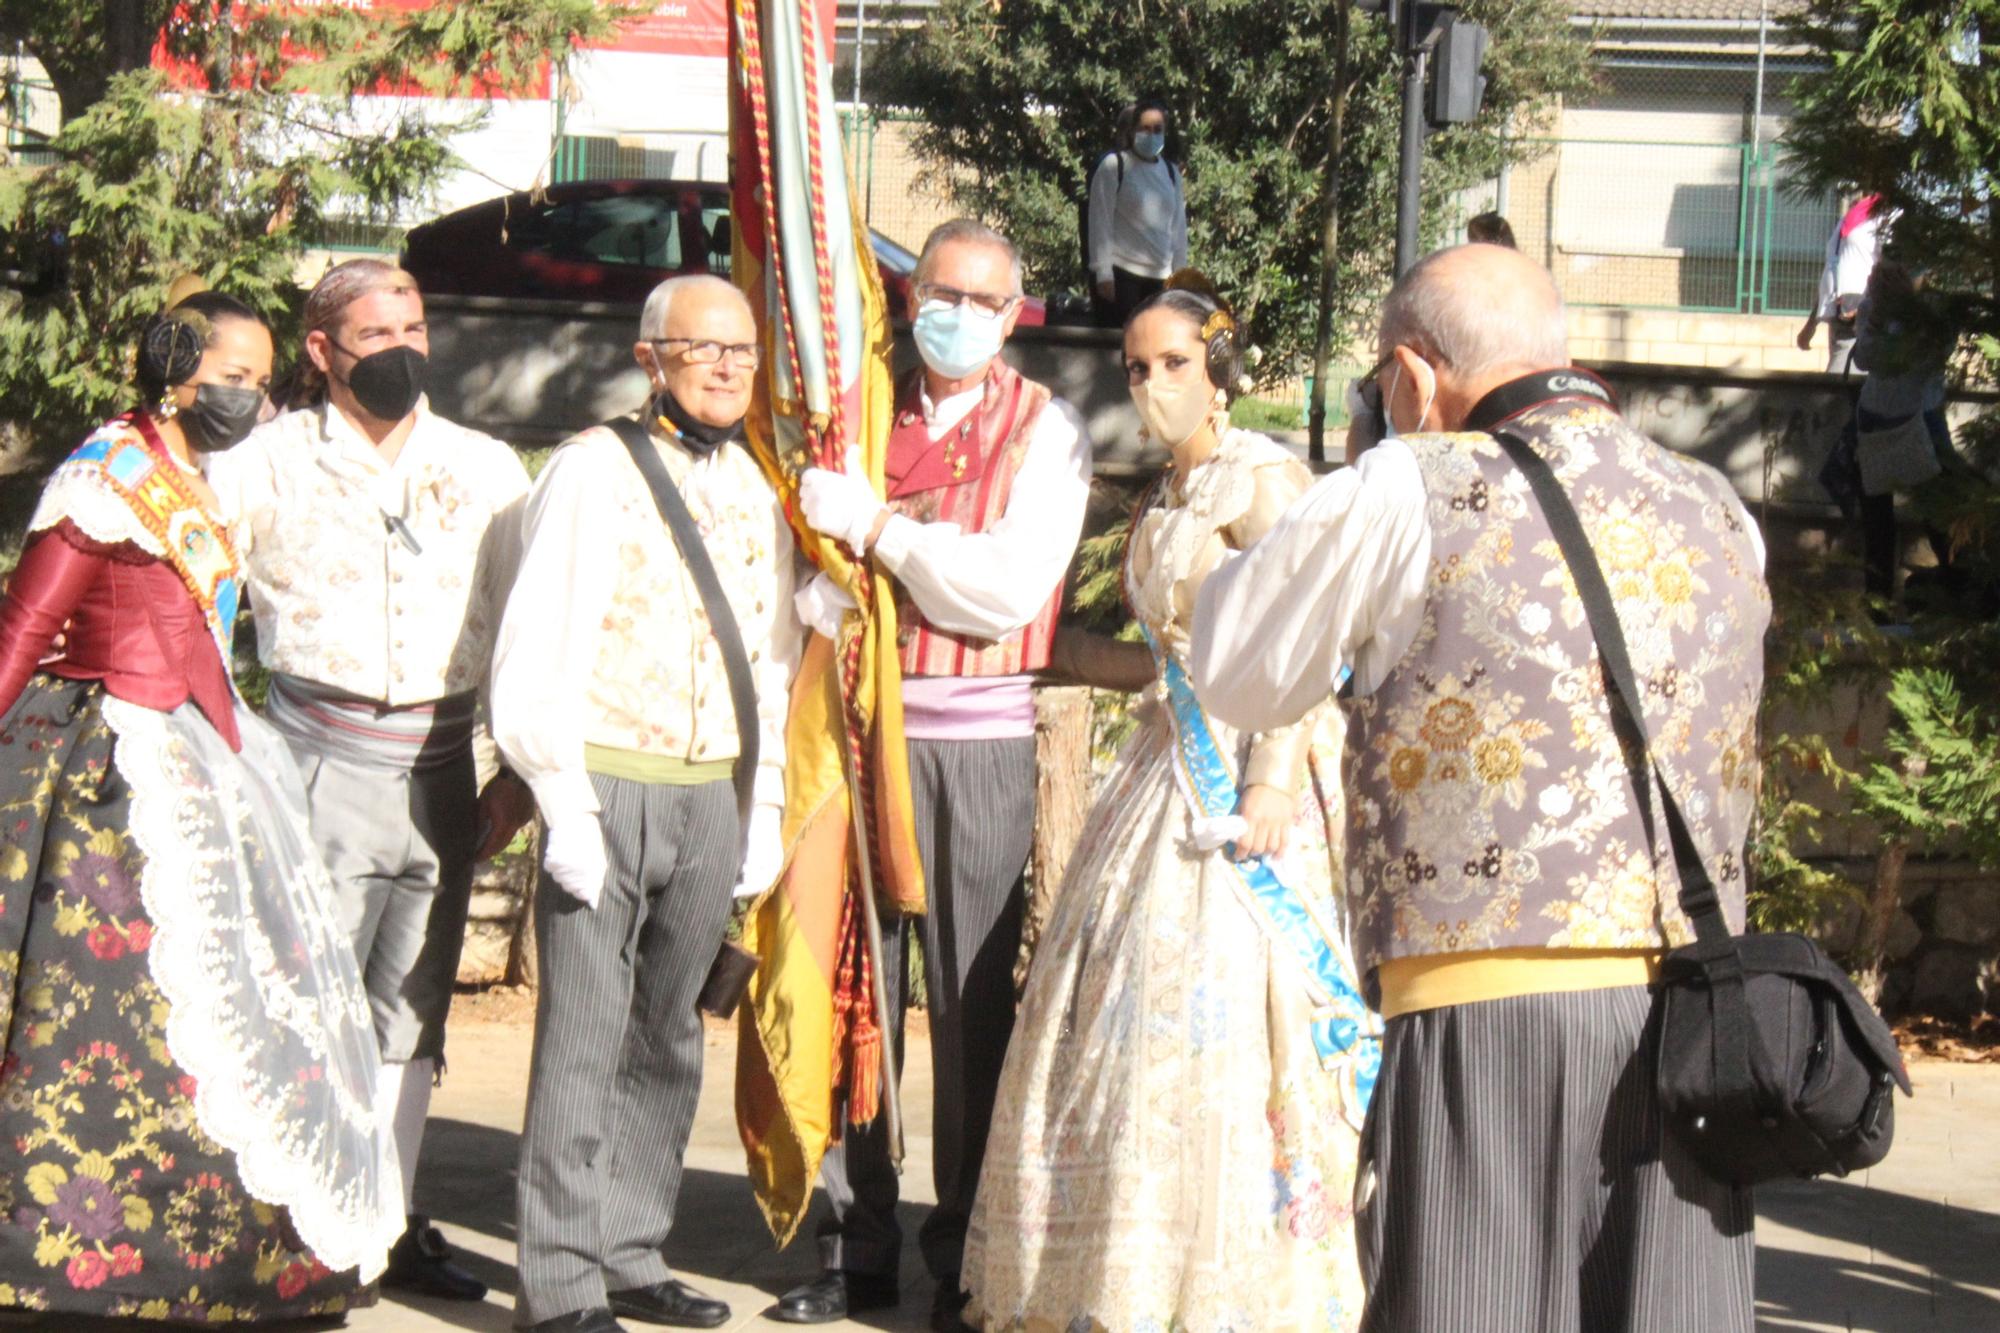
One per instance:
[(1339, 584)]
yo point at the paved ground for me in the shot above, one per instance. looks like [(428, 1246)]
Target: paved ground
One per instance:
[(1913, 1247)]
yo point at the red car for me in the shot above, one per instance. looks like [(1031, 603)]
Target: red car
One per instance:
[(612, 240)]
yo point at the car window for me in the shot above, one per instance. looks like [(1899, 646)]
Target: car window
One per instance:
[(618, 229), (715, 220), (527, 227)]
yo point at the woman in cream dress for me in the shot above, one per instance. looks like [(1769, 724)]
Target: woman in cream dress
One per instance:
[(1175, 1137)]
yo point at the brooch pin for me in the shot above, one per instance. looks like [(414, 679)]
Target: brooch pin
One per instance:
[(955, 459)]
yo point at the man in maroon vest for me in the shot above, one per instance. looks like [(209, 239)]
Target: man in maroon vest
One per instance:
[(988, 475)]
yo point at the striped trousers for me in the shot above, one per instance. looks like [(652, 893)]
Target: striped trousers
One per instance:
[(1521, 1180), (618, 1044), (975, 809)]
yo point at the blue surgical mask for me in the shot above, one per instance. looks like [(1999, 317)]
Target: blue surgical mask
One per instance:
[(1149, 145), (956, 340)]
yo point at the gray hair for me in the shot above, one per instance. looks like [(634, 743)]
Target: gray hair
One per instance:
[(660, 301), (1474, 324), (344, 284), (966, 231)]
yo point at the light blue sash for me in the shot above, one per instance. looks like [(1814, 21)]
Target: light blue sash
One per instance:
[(1344, 1032)]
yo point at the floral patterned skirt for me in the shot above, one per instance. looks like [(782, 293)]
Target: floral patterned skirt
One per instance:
[(114, 1202), (1167, 1151)]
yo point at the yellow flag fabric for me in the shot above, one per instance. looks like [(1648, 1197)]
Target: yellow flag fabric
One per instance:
[(810, 1041)]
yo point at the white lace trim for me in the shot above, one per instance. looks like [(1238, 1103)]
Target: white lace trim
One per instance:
[(267, 1010), (1213, 495), (81, 493)]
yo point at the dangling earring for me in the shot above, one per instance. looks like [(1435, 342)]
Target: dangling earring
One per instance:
[(166, 409)]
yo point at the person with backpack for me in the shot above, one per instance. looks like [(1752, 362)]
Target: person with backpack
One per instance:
[(1135, 220)]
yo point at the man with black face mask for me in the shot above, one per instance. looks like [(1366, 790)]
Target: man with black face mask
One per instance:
[(612, 698), (378, 543)]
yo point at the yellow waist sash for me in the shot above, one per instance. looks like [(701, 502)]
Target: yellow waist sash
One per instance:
[(1433, 981), (656, 770)]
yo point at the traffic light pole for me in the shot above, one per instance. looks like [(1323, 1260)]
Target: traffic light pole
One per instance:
[(1410, 161), (1329, 259)]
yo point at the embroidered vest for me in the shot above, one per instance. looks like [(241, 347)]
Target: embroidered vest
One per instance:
[(1489, 804), (657, 686), (965, 477)]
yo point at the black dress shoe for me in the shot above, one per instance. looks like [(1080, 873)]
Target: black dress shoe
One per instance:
[(576, 1321), (420, 1263), (670, 1302), (948, 1307), (835, 1295)]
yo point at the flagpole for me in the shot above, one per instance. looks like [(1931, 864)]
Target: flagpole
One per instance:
[(892, 1103)]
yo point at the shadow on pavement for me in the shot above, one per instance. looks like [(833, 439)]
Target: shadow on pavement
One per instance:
[(1907, 1253), (467, 1180)]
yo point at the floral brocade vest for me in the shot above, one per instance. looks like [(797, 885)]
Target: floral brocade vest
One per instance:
[(1489, 805), (965, 476)]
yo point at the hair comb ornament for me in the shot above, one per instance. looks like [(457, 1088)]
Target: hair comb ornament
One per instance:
[(1195, 281)]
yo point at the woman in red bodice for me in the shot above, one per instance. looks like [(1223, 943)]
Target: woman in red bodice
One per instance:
[(186, 1053)]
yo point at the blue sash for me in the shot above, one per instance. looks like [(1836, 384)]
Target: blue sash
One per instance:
[(1344, 1032)]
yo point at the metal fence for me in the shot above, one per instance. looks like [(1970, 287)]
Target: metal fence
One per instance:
[(691, 155), (33, 113), (1668, 187), (1665, 225), (901, 196)]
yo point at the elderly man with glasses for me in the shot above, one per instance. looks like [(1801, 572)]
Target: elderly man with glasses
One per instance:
[(988, 475), (610, 696)]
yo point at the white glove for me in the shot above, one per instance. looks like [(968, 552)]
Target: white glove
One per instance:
[(842, 505), (1214, 831), (821, 605), (575, 857), (764, 851), (1211, 832)]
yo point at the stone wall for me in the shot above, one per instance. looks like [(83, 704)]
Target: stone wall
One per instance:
[(1944, 945)]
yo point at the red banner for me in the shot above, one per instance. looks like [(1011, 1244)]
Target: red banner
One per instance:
[(677, 28)]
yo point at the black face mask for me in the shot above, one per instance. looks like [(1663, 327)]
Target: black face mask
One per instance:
[(700, 437), (388, 383), (220, 416)]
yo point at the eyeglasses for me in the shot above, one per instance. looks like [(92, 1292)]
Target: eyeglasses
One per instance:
[(992, 303), (1368, 388), (702, 352)]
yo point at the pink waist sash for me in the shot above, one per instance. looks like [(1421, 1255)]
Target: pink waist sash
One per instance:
[(968, 708)]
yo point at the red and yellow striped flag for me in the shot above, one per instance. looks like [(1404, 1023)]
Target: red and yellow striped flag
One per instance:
[(811, 1039)]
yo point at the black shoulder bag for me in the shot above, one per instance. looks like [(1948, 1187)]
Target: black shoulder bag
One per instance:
[(1770, 1062), (729, 977)]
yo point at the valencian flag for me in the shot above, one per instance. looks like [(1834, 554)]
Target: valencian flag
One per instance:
[(811, 1043)]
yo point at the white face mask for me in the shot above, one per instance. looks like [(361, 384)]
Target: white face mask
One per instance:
[(1389, 430), (1174, 412)]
